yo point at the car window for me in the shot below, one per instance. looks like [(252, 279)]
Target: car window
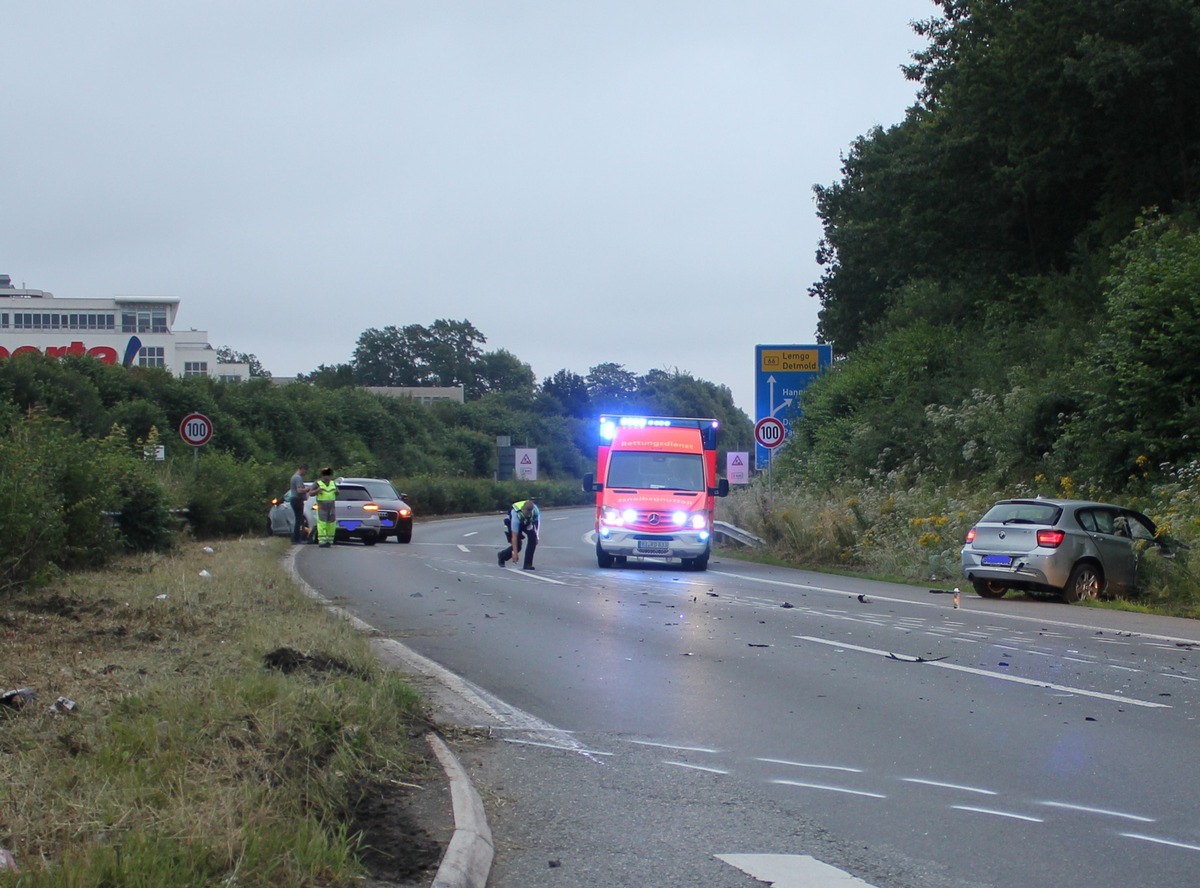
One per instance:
[(381, 489), (1099, 521), (1138, 527), (355, 494), (1023, 513)]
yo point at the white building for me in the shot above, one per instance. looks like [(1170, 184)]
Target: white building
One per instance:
[(135, 331)]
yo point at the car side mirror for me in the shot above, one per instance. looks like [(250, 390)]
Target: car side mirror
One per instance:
[(722, 488), (590, 485)]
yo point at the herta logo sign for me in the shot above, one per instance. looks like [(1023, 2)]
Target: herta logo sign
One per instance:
[(105, 354)]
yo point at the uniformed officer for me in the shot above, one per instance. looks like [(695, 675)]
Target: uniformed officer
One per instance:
[(326, 508), (523, 521)]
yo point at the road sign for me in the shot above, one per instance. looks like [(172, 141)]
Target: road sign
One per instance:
[(781, 373), (769, 432), (196, 429)]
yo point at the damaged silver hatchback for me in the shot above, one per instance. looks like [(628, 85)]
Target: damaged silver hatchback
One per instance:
[(1078, 549)]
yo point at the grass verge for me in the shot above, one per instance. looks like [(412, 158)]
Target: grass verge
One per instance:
[(198, 721)]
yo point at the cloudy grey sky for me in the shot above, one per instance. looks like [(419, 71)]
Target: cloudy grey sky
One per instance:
[(584, 182)]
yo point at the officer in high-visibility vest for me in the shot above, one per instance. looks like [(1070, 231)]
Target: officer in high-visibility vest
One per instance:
[(523, 521), (326, 504)]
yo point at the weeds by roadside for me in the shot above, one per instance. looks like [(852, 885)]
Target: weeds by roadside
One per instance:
[(224, 728), (913, 532)]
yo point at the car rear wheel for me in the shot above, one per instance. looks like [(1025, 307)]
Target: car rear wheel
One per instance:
[(1086, 583), (989, 588)]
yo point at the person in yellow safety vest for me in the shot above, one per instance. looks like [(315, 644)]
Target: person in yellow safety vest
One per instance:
[(523, 520), (326, 504)]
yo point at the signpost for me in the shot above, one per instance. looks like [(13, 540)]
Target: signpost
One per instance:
[(769, 432), (196, 429), (781, 373)]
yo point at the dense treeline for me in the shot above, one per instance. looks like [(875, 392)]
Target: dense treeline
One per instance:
[(1012, 274), (74, 434)]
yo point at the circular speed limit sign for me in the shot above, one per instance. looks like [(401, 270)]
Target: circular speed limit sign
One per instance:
[(196, 429), (769, 432)]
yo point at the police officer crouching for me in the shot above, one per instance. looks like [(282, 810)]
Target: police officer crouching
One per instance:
[(522, 522)]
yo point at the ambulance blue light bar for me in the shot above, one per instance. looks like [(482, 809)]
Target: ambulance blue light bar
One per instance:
[(610, 424)]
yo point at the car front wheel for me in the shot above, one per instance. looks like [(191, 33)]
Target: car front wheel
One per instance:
[(989, 589), (1086, 583)]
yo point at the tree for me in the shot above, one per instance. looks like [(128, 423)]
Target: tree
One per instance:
[(611, 387), (571, 392), (1143, 382), (226, 355), (445, 354), (502, 371)]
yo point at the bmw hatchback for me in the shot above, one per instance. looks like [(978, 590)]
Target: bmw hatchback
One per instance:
[(1077, 549)]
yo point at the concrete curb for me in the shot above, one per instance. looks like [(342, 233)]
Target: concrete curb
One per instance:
[(468, 858)]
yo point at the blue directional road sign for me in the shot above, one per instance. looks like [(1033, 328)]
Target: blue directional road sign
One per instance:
[(781, 373)]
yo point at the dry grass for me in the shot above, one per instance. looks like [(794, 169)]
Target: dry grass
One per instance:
[(186, 760)]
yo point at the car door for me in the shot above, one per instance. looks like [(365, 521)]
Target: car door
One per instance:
[(1109, 530)]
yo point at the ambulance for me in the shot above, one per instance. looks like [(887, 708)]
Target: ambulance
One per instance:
[(655, 485)]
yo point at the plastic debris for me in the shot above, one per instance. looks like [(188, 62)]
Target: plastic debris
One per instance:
[(162, 597), (18, 698), (205, 573), (7, 861), (956, 598), (208, 550), (61, 705)]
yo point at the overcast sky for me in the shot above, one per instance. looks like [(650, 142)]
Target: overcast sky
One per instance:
[(583, 182)]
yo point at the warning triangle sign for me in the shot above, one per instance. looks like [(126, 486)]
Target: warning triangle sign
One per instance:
[(737, 461), (526, 461)]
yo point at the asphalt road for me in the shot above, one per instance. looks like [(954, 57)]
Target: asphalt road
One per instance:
[(662, 727)]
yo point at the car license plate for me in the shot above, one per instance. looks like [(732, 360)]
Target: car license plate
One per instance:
[(997, 560), (652, 546)]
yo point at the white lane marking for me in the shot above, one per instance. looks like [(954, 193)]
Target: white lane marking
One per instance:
[(547, 745), (791, 871), (1156, 840), (772, 761), (1176, 675), (957, 786), (1107, 813), (696, 767), (807, 587), (995, 813), (463, 548), (971, 670), (535, 576), (675, 747), (471, 534), (827, 788)]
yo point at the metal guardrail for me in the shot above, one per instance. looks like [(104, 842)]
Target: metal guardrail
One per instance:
[(726, 532)]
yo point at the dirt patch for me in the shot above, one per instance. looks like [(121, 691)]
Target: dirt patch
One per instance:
[(395, 845)]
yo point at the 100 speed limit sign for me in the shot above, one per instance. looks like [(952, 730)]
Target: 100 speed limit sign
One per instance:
[(196, 429), (769, 432)]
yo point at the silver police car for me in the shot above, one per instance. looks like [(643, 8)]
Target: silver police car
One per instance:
[(1074, 548)]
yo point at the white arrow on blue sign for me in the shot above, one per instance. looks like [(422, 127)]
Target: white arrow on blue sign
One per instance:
[(781, 373)]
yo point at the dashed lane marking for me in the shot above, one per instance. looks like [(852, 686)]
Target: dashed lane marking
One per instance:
[(1011, 815)]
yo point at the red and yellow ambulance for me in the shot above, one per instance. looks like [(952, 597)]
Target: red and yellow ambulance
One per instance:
[(656, 484)]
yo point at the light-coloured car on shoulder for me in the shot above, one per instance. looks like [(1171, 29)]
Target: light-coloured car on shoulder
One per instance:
[(395, 514), (1077, 549)]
